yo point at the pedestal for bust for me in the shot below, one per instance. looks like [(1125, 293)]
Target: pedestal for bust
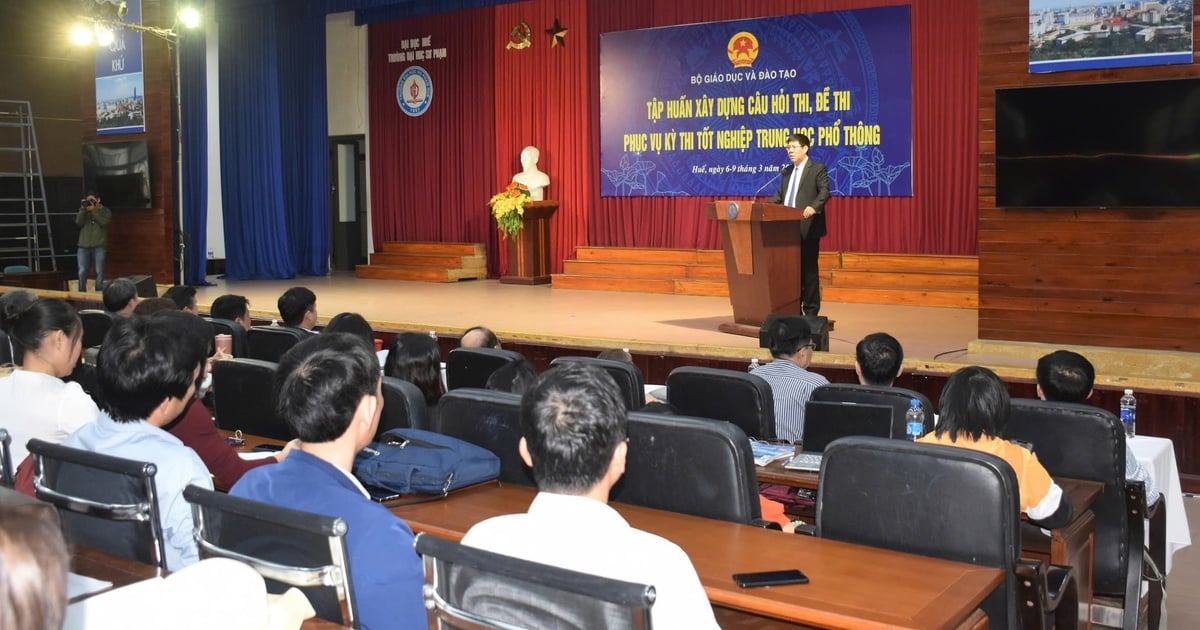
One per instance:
[(529, 252)]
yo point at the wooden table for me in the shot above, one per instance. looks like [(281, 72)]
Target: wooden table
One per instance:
[(851, 585), (1072, 545)]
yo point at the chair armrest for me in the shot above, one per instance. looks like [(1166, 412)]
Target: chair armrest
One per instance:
[(765, 524), (806, 530), (1043, 592)]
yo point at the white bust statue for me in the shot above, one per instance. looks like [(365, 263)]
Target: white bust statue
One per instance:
[(533, 179)]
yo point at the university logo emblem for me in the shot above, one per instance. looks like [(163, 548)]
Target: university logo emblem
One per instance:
[(731, 210), (742, 49), (414, 91)]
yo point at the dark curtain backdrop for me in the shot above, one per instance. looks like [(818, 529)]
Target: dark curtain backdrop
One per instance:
[(548, 97), (431, 175), (194, 122)]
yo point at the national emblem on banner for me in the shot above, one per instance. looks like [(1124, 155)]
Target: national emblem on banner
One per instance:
[(742, 49)]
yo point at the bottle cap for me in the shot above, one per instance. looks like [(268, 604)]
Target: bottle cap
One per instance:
[(913, 402), (1129, 391)]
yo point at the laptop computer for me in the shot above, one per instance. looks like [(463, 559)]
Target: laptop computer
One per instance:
[(826, 421)]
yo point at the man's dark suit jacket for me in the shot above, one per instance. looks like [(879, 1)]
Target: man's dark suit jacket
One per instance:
[(812, 191)]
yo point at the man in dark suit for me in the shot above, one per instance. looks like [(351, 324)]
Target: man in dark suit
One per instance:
[(805, 185)]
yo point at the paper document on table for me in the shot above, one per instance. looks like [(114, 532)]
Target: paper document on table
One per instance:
[(79, 585), (257, 455), (767, 452)]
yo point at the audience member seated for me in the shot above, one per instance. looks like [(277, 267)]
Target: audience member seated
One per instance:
[(235, 308), (573, 425), (33, 568), (622, 355), (358, 326), (416, 358), (195, 427), (120, 297), (147, 377), (18, 299), (479, 337), (974, 412), (1065, 376), (791, 382), (150, 306), (184, 298), (46, 335), (328, 389), (878, 360), (298, 308), (515, 378)]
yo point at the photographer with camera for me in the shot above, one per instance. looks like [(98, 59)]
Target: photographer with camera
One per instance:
[(92, 219)]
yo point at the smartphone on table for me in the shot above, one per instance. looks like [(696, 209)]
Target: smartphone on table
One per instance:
[(770, 578)]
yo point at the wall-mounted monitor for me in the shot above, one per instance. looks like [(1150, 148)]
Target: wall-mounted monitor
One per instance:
[(1099, 145), (119, 172)]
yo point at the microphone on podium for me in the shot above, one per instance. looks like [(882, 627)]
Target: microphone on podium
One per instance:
[(760, 188)]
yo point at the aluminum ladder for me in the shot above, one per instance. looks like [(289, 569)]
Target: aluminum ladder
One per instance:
[(26, 236)]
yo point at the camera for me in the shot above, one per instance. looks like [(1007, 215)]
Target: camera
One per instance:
[(83, 202)]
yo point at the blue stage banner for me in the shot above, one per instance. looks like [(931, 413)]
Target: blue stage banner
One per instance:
[(120, 90), (706, 109)]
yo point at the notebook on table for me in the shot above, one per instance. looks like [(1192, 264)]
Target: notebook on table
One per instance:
[(826, 421)]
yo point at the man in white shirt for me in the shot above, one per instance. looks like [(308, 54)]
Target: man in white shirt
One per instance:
[(573, 425)]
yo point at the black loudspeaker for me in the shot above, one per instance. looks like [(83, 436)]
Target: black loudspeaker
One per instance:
[(818, 324), (145, 286)]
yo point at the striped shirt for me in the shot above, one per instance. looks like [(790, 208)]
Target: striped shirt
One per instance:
[(791, 386)]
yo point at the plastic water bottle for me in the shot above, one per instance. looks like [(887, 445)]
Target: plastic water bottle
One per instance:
[(753, 365), (433, 334), (275, 323), (914, 420), (1129, 413)]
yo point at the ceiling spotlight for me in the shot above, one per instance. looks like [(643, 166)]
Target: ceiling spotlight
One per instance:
[(189, 17), (81, 35)]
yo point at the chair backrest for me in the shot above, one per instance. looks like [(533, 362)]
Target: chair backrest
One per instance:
[(269, 343), (403, 406), (287, 547), (95, 326), (234, 330), (897, 397), (1084, 442), (825, 422), (471, 367), (103, 501), (469, 587), (243, 398), (627, 375), (738, 397), (940, 501), (489, 419), (6, 463), (691, 466)]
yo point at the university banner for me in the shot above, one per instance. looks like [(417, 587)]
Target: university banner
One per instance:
[(706, 109), (120, 91)]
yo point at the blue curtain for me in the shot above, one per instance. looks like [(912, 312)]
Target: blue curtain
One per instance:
[(194, 121), (303, 124)]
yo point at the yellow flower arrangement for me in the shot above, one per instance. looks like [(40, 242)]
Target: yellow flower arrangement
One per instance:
[(508, 207)]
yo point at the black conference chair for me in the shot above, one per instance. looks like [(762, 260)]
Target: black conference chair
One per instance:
[(1084, 442), (471, 367), (738, 397), (467, 587), (897, 398), (103, 501), (269, 343), (945, 502), (489, 419), (403, 406), (243, 399), (95, 326), (234, 330), (690, 466), (6, 463), (287, 547), (627, 375)]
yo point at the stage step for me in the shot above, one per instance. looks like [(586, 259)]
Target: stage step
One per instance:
[(858, 278), (645, 270), (427, 262), (906, 297)]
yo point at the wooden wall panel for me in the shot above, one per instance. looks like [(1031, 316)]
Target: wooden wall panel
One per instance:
[(1125, 278), (141, 241)]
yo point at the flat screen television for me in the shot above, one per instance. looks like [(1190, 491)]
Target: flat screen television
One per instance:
[(119, 172), (1099, 145)]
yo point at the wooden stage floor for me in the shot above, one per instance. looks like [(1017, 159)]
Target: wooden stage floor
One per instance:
[(934, 339)]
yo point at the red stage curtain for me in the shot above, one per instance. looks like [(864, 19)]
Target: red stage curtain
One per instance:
[(549, 97)]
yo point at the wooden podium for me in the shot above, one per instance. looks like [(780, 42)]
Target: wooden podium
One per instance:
[(529, 252), (762, 261)]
